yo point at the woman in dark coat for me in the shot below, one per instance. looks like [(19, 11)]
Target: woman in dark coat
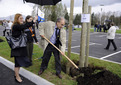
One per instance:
[(19, 54), (30, 36)]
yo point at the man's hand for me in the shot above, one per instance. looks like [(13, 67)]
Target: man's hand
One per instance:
[(37, 42), (42, 36)]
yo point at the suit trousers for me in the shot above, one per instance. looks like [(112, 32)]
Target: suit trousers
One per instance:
[(46, 57), (113, 43)]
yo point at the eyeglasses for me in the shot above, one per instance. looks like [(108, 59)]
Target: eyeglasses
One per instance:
[(63, 25)]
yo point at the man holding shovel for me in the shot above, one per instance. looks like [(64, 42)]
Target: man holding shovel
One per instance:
[(58, 38)]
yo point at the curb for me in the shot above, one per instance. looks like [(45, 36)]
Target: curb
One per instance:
[(27, 74)]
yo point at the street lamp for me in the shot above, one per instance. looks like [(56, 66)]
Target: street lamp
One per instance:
[(101, 14)]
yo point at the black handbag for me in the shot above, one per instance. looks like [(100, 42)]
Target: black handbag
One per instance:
[(18, 42)]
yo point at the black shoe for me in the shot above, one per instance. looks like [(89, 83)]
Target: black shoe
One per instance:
[(40, 72), (20, 76), (115, 49), (59, 76), (17, 80)]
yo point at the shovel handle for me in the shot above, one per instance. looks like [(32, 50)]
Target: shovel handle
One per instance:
[(61, 52)]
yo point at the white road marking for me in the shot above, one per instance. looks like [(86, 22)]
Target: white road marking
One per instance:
[(89, 44), (112, 61), (101, 36), (100, 59), (111, 55), (93, 33), (74, 46), (94, 43)]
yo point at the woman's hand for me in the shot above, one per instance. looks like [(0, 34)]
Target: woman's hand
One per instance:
[(35, 18)]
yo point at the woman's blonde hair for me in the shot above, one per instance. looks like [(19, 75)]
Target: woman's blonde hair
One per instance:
[(16, 18)]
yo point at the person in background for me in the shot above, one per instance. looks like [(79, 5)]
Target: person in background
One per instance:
[(30, 36), (104, 28), (57, 36), (98, 27), (5, 25), (111, 37), (108, 26), (37, 22), (8, 29), (95, 27), (19, 54)]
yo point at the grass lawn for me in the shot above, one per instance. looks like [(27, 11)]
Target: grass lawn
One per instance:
[(49, 74), (92, 30)]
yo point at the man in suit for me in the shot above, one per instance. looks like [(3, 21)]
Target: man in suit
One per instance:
[(57, 35), (47, 29)]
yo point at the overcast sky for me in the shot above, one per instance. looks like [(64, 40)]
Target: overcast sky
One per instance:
[(78, 3), (10, 7)]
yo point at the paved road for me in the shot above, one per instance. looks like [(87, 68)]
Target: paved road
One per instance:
[(98, 42), (7, 77)]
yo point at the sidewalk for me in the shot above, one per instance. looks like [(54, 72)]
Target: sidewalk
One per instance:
[(7, 75)]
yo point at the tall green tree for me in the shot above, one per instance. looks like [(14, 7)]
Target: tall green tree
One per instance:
[(34, 11), (67, 17), (92, 19), (77, 20), (53, 16), (59, 10)]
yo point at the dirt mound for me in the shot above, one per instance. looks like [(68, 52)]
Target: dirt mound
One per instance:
[(1, 40), (93, 75), (87, 71), (101, 78)]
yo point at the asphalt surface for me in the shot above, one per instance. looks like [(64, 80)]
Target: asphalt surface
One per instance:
[(7, 77), (98, 42)]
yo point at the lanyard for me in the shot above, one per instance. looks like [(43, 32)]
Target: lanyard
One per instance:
[(30, 28)]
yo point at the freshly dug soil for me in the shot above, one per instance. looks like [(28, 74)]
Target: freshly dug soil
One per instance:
[(1, 40), (101, 78), (93, 75)]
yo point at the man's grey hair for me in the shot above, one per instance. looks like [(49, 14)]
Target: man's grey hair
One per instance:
[(59, 19)]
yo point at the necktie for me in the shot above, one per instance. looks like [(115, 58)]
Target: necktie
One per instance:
[(57, 33)]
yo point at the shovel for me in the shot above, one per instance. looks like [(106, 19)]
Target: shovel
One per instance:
[(62, 52)]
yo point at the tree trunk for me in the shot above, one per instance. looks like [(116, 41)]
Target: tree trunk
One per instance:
[(88, 38), (70, 35), (83, 36)]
